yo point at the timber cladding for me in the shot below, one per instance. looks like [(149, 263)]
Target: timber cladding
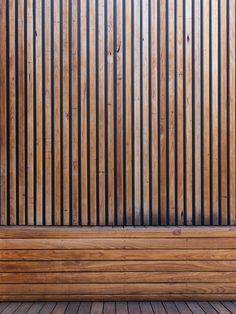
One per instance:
[(172, 263), (117, 112)]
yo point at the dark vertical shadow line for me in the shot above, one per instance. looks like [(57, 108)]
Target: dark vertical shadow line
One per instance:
[(25, 112), (115, 109), (43, 108), (106, 118), (193, 117), (141, 107), (211, 186), (52, 107), (8, 112), (97, 107), (176, 115), (150, 109), (184, 111), (167, 114), (79, 107), (70, 108), (124, 108), (228, 116), (34, 114), (133, 114), (202, 119), (17, 109), (88, 105), (219, 116), (158, 109), (61, 113)]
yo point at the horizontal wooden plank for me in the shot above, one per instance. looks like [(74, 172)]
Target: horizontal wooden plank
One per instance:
[(112, 244), (117, 232), (117, 277), (116, 255), (121, 297), (137, 289), (116, 266)]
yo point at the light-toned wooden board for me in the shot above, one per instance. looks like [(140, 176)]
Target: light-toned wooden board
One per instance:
[(117, 277), (171, 110), (30, 115), (180, 113), (67, 116), (223, 201), (119, 113), (38, 112), (232, 131), (118, 254), (92, 115), (162, 113), (83, 122), (74, 114), (3, 118), (21, 113), (197, 113), (57, 116), (188, 111), (145, 113), (137, 111), (12, 112), (110, 111), (128, 111), (214, 114), (48, 119), (154, 112), (101, 114), (206, 110)]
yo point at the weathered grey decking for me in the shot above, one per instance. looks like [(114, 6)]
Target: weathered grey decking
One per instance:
[(118, 307)]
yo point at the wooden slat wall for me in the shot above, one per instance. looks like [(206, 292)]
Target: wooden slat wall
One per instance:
[(117, 112), (182, 263)]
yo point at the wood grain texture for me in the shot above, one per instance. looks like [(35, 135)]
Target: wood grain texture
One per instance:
[(117, 113), (156, 265)]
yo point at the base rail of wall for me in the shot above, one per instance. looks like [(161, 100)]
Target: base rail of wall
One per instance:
[(104, 263)]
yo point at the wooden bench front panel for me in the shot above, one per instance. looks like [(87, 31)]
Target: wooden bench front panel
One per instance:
[(117, 264)]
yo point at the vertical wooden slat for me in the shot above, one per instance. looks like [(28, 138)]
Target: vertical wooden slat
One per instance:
[(223, 112), (197, 111), (128, 105), (48, 134), (137, 109), (110, 111), (57, 127), (3, 117), (66, 118), (39, 169), (21, 110), (232, 113), (119, 125), (83, 104), (214, 113), (188, 110), (12, 111), (75, 168), (162, 114), (92, 108), (145, 114), (206, 111), (171, 109), (30, 114), (154, 147), (180, 115), (101, 116)]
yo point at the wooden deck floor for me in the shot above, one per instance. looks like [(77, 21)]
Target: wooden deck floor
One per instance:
[(118, 307)]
